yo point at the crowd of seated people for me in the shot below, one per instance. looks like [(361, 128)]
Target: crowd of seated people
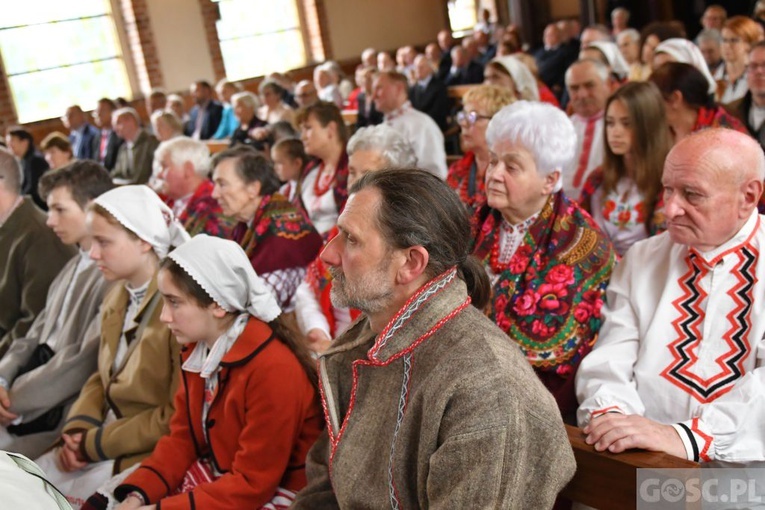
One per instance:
[(160, 329)]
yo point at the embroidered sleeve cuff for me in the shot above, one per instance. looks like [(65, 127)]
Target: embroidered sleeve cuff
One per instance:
[(600, 412), (698, 442)]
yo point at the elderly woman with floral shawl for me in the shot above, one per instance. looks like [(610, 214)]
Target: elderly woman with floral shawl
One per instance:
[(548, 261), (277, 237)]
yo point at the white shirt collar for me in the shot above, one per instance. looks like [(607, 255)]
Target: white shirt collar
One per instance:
[(739, 238)]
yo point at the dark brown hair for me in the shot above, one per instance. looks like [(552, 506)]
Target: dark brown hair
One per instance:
[(324, 112), (250, 165), (57, 140), (691, 83), (650, 142), (281, 330), (85, 180), (292, 148), (419, 209)]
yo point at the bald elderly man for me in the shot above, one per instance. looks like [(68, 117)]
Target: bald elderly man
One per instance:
[(678, 366)]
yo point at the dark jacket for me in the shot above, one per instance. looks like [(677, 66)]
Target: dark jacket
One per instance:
[(241, 136), (212, 116), (471, 74), (367, 114), (740, 109), (113, 145), (553, 63), (432, 100), (85, 149), (34, 166)]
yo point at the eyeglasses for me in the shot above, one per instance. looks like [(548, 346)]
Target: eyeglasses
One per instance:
[(470, 118), (732, 40), (756, 67)]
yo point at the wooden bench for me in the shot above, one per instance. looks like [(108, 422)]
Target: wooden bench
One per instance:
[(458, 91), (608, 481), (350, 116), (216, 146)]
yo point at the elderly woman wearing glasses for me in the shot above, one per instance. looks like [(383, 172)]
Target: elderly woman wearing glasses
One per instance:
[(739, 34), (466, 176)]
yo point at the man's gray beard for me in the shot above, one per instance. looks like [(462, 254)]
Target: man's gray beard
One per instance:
[(368, 305)]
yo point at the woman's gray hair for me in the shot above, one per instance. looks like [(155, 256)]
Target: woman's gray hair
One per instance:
[(544, 130), (388, 142), (182, 149), (168, 117), (246, 98)]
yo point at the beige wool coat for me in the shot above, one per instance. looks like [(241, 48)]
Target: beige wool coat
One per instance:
[(440, 410), (140, 391)]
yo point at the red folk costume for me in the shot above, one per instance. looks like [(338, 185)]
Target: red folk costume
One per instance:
[(546, 95), (280, 242), (717, 117), (203, 214), (463, 178), (547, 298), (263, 419)]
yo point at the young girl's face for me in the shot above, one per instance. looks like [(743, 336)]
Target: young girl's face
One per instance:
[(118, 255), (187, 320), (618, 128), (286, 168)]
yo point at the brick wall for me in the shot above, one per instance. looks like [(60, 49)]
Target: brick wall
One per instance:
[(141, 44), (7, 112), (210, 15)]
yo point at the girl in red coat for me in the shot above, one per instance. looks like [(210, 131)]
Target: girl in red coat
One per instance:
[(246, 410)]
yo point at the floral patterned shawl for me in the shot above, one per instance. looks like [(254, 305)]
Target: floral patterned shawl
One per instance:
[(203, 214), (548, 297), (279, 237)]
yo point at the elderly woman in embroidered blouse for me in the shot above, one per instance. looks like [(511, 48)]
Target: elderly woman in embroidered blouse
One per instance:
[(739, 34), (548, 261), (688, 103), (275, 235), (325, 183), (624, 194), (466, 176)]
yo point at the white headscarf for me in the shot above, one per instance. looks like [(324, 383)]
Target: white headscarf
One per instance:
[(615, 59), (683, 50), (521, 75), (140, 210), (223, 270)]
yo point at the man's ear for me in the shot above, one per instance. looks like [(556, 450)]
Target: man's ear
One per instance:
[(752, 190), (188, 169), (415, 262)]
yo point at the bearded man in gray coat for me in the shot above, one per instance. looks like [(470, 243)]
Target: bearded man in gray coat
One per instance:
[(427, 403)]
